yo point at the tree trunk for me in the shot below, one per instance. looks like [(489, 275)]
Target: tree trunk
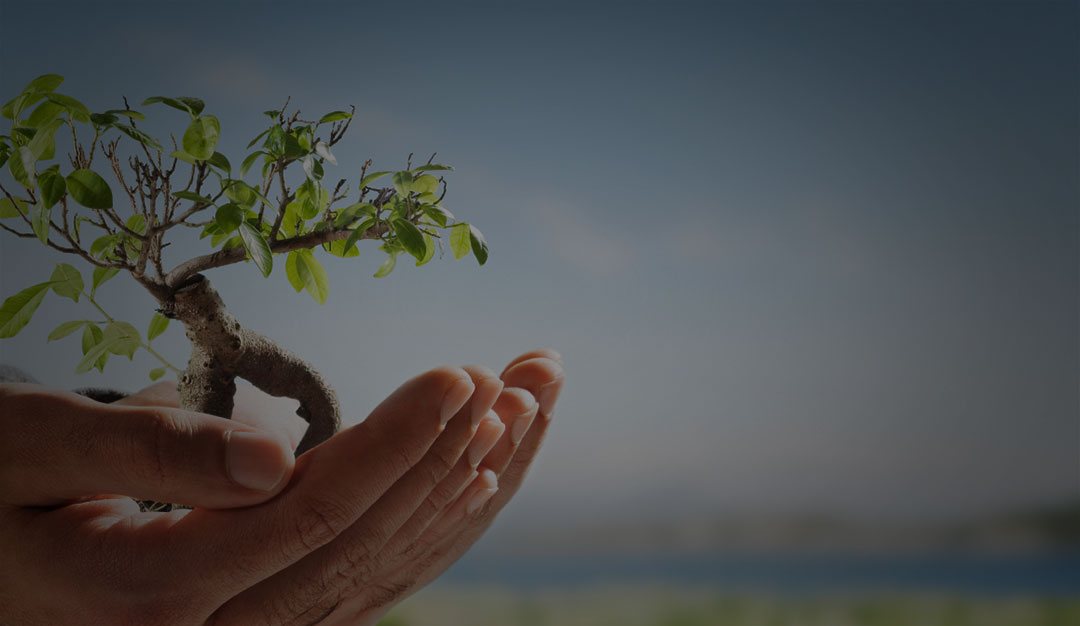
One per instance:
[(223, 350)]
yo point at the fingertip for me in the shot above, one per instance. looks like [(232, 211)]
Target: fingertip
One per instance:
[(543, 353), (257, 461), (487, 390)]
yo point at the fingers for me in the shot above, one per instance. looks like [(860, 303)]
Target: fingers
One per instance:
[(542, 353), (60, 446), (332, 486), (320, 580), (447, 491), (460, 524), (465, 521)]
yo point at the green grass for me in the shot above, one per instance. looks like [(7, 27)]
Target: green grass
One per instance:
[(660, 606)]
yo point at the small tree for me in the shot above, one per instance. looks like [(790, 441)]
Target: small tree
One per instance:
[(73, 211)]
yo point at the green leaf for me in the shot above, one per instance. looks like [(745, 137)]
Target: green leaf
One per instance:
[(312, 275), (341, 248), (184, 156), (43, 114), (21, 166), (432, 167), (219, 161), (313, 199), (429, 251), (53, 187), (438, 214), (411, 238), (201, 137), (158, 324), (104, 246), (356, 234), (479, 245), (124, 338), (173, 102), (257, 138), (89, 189), (403, 183), (11, 209), (136, 223), (229, 217), (194, 104), (101, 276), (91, 337), (387, 265), (138, 135), (43, 145), (67, 282), (257, 248), (365, 181), (425, 184), (17, 310), (39, 222), (94, 356), (65, 329), (249, 161), (459, 240), (157, 373), (293, 148), (241, 193), (45, 82), (348, 215), (292, 273), (135, 115), (192, 196), (334, 116), (75, 108)]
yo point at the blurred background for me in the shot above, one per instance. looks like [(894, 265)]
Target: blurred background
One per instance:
[(813, 267)]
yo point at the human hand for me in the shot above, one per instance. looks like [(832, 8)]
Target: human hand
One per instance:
[(428, 543), (73, 553), (401, 537)]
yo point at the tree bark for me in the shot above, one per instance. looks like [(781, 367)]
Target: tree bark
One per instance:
[(223, 350)]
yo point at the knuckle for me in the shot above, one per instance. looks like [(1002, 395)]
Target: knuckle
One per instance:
[(318, 522), (381, 594), (401, 457), (444, 460), (142, 450)]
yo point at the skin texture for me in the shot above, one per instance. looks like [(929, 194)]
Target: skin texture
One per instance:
[(352, 527)]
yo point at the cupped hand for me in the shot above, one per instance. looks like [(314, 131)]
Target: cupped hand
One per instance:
[(329, 537)]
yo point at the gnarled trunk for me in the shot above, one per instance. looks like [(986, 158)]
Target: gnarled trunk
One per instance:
[(222, 350)]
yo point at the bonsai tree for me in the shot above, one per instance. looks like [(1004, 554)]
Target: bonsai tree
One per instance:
[(280, 210)]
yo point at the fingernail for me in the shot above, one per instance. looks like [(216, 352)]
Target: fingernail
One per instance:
[(254, 460), (485, 439), (455, 399), (478, 500), (521, 426), (484, 397), (548, 395)]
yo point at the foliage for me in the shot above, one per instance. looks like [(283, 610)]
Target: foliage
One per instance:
[(71, 207)]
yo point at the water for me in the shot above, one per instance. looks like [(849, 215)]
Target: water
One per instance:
[(1050, 574)]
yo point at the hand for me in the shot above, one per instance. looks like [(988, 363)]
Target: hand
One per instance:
[(111, 563)]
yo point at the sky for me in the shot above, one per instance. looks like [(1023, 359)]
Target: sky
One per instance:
[(809, 257)]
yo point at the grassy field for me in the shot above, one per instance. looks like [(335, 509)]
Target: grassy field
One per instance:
[(657, 606)]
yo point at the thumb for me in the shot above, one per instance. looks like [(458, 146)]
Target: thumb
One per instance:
[(58, 446)]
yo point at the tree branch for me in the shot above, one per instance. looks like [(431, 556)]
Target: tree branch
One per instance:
[(229, 256)]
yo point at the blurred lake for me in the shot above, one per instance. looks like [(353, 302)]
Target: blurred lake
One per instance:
[(1046, 574), (752, 590)]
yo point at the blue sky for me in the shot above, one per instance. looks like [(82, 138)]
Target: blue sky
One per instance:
[(798, 256)]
